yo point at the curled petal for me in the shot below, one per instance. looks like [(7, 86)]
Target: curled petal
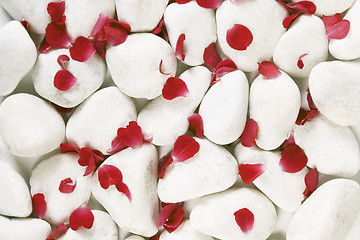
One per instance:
[(249, 134), (306, 7), (239, 37), (173, 88), (116, 32), (39, 205), (81, 217), (44, 46), (82, 49), (305, 115), (211, 57), (57, 36), (293, 159), (109, 175), (123, 188), (56, 11), (250, 172), (179, 50), (63, 60), (196, 124), (165, 213), (67, 185), (212, 4), (99, 25), (64, 80), (268, 69), (244, 219), (171, 216), (185, 147), (164, 162), (160, 69), (287, 21)]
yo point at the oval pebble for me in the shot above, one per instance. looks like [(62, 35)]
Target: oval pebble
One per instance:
[(330, 7), (184, 231), (328, 213), (29, 126), (224, 108), (214, 214)]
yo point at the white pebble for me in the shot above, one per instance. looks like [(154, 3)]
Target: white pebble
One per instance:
[(135, 237), (184, 231)]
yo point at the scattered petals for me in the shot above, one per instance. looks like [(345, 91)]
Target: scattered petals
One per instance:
[(67, 185), (123, 188), (244, 219), (56, 11), (293, 159), (185, 147), (239, 37), (116, 146), (196, 124), (249, 134), (179, 50), (57, 36), (164, 162), (64, 80), (311, 181), (63, 61), (268, 69), (81, 217), (173, 88), (158, 28), (160, 69), (212, 4), (250, 172), (58, 232), (306, 7), (99, 26), (82, 49), (288, 20), (300, 62), (109, 175), (171, 216), (39, 205), (339, 30), (211, 57), (182, 1)]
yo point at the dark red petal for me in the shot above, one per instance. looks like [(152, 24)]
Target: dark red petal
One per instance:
[(287, 21), (196, 124), (82, 49), (56, 11), (81, 217), (174, 87), (331, 20), (65, 147), (212, 4), (338, 31), (123, 188), (179, 50), (63, 60), (211, 57), (164, 162), (249, 134), (250, 172), (131, 136), (99, 25), (300, 64), (305, 115), (310, 101), (239, 37), (67, 185), (39, 205), (155, 237), (158, 28), (244, 219), (182, 1), (100, 47), (26, 25), (116, 32), (64, 80), (175, 220), (268, 69), (160, 69), (312, 179), (293, 159), (61, 110), (284, 5), (109, 175), (58, 232), (306, 7), (185, 147), (57, 36), (44, 46), (90, 158), (165, 213), (223, 67)]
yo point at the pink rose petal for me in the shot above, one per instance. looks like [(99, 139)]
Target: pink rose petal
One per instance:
[(244, 219), (39, 205), (82, 49), (99, 26), (306, 7), (116, 32), (339, 30), (116, 146), (81, 217), (109, 175), (56, 11), (158, 28), (212, 4), (57, 36), (185, 147), (179, 50), (250, 172), (331, 20), (67, 185), (182, 1), (293, 159), (300, 63), (239, 37), (160, 69), (131, 136), (58, 232), (164, 162), (249, 134), (287, 21), (211, 57), (63, 61), (268, 69), (173, 88), (123, 188), (311, 181), (64, 80), (196, 124)]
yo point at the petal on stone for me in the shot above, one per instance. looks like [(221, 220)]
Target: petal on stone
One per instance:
[(312, 180), (306, 7), (64, 80), (160, 68), (331, 20), (300, 62), (175, 220), (211, 56), (66, 147), (109, 175), (293, 159), (185, 147), (131, 136), (63, 61), (196, 124), (158, 28), (164, 162), (44, 46), (39, 205), (249, 134), (239, 37), (57, 36), (82, 49), (339, 30), (250, 172), (81, 217), (212, 4), (116, 32), (179, 50), (174, 87), (56, 11), (165, 213), (287, 21), (268, 69), (67, 185), (244, 219), (58, 232), (182, 1), (102, 20), (116, 146), (123, 188)]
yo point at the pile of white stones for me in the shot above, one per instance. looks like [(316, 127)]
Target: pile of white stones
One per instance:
[(208, 183)]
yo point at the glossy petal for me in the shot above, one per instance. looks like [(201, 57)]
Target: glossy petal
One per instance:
[(39, 205), (56, 11), (239, 37), (244, 219), (293, 159), (287, 21), (123, 188), (57, 36), (64, 80), (312, 180), (173, 88), (306, 7), (212, 4), (250, 172), (339, 30), (185, 147), (82, 49), (109, 175), (196, 124), (211, 57), (67, 185), (179, 50), (160, 68), (63, 61), (66, 147), (164, 162), (58, 232), (131, 136), (249, 134), (81, 217), (268, 69)]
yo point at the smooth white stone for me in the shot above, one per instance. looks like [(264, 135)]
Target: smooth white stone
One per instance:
[(26, 228), (274, 105), (81, 16), (348, 48), (135, 237), (328, 213), (335, 87), (46, 178), (184, 231), (198, 25), (134, 65), (212, 169), (331, 148), (263, 18), (96, 121), (214, 214), (306, 35), (139, 170), (29, 126), (142, 16), (224, 108), (165, 120), (284, 189), (330, 7), (90, 75), (18, 55), (104, 228), (15, 198)]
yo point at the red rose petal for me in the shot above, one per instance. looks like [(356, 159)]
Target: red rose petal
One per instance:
[(339, 30), (116, 146), (212, 4), (268, 69), (311, 181), (57, 36), (287, 21), (196, 124), (63, 60), (171, 216), (306, 7), (81, 217), (64, 80), (56, 11), (164, 162), (44, 46), (244, 219), (65, 147), (158, 28), (109, 175), (331, 20), (82, 49), (211, 57), (90, 158), (67, 185), (99, 25), (287, 142), (100, 47), (116, 32), (131, 136), (160, 69), (185, 147), (300, 63), (39, 205), (250, 172), (155, 237), (305, 115), (165, 213), (239, 37), (182, 1), (58, 232), (174, 87), (310, 101), (222, 68), (293, 159), (179, 50), (249, 134), (123, 188)]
